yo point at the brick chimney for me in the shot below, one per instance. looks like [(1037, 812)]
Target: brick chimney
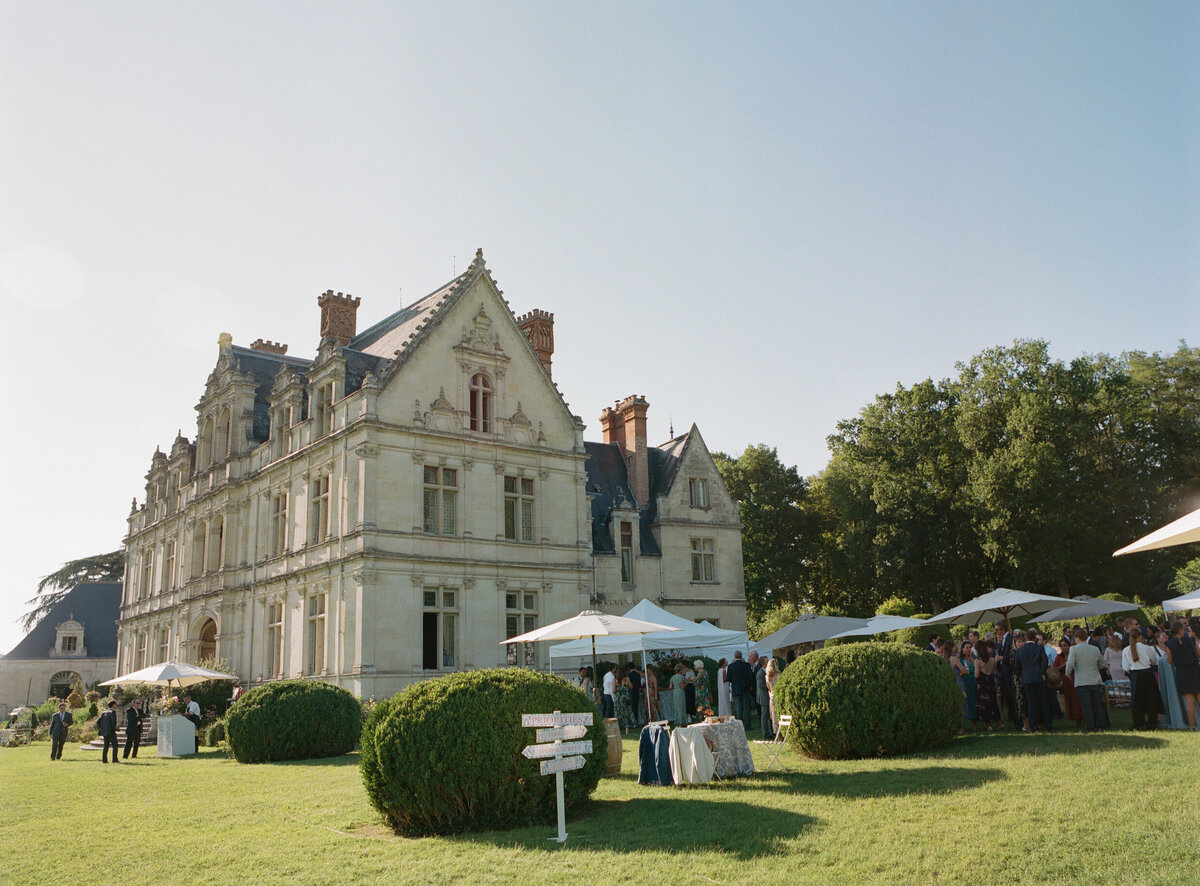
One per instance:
[(270, 347), (538, 327), (339, 316), (625, 425)]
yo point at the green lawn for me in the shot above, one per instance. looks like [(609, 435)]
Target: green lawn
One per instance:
[(1067, 808)]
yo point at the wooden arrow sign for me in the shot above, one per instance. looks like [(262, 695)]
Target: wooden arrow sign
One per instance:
[(534, 751), (566, 764), (556, 720), (561, 732)]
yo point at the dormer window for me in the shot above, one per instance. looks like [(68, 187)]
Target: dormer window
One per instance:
[(698, 492), (481, 403), (323, 409), (68, 638)]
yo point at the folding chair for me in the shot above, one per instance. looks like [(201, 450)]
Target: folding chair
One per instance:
[(785, 723)]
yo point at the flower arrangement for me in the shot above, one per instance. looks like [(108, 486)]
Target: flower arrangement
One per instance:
[(168, 705)]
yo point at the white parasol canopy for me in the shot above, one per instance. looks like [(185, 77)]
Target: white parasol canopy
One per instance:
[(684, 634), (1089, 608), (999, 605), (881, 624), (1187, 601), (807, 629), (168, 672), (589, 623), (1180, 532)]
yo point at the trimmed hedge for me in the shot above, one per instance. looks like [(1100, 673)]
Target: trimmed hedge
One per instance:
[(293, 720), (869, 700), (444, 755)]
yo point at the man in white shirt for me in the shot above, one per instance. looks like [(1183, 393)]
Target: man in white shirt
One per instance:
[(191, 710), (1084, 662), (610, 688)]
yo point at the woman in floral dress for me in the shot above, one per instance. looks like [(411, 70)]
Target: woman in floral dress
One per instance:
[(655, 712), (703, 695), (622, 695)]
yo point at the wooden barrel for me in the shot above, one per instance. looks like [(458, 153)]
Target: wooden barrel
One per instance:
[(613, 731)]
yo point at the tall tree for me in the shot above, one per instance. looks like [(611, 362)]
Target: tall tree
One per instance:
[(52, 588), (776, 535)]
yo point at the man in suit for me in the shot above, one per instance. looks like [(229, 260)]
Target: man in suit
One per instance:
[(58, 730), (133, 728), (762, 697), (106, 728), (1084, 663), (1031, 662), (1004, 648), (741, 687)]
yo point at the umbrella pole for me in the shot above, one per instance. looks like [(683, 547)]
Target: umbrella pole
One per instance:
[(595, 676), (646, 682)]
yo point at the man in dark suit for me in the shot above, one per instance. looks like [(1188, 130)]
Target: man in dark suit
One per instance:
[(58, 730), (133, 728), (1031, 661), (106, 728), (1004, 648), (741, 687), (762, 697)]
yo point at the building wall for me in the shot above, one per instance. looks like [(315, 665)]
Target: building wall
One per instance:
[(27, 681)]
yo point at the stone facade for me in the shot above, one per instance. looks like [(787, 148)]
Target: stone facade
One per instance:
[(395, 507)]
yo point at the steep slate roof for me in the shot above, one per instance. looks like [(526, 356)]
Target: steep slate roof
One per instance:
[(607, 473), (95, 606), (264, 366), (392, 334)]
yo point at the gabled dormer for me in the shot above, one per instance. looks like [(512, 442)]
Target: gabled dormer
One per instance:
[(326, 386), (68, 639), (225, 414)]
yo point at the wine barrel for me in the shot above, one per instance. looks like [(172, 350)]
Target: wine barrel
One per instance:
[(613, 731)]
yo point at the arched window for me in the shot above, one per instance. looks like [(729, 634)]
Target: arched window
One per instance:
[(481, 403), (216, 545), (199, 549), (204, 448), (224, 439), (208, 641), (61, 683)]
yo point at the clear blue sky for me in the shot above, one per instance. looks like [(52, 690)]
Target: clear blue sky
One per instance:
[(757, 215)]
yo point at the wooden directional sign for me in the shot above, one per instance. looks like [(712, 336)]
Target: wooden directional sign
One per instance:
[(566, 764), (561, 732), (534, 751), (556, 720)]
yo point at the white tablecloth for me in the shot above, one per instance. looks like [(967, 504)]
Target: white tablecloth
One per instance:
[(691, 760), (724, 743)]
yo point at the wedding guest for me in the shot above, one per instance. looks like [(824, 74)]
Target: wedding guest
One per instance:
[(622, 706), (966, 679), (106, 728), (608, 709), (655, 711), (1172, 705), (689, 691), (741, 688), (762, 696), (1031, 662), (1082, 667), (1074, 708), (1112, 657), (703, 694), (58, 730), (1137, 660), (723, 707), (1185, 654), (133, 728), (987, 708), (679, 695), (772, 678)]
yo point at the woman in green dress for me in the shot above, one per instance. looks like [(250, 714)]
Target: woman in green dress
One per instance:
[(703, 695), (622, 695), (966, 671), (678, 696)]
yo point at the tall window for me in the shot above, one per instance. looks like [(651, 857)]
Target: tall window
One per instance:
[(439, 623), (520, 618), (141, 650), (441, 489), (199, 542), (70, 644), (518, 508), (703, 560), (316, 635), (279, 524), (274, 662), (147, 575), (224, 437), (320, 509), (626, 551), (698, 492), (322, 409), (216, 545), (481, 403), (167, 581), (164, 645)]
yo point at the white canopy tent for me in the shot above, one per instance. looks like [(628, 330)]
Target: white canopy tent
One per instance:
[(1187, 601), (1183, 531), (688, 635)]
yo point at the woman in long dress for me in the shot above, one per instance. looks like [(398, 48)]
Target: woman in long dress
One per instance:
[(772, 679), (966, 670), (678, 696), (987, 707), (622, 700), (1112, 658), (703, 695), (1185, 657), (1074, 708), (655, 711), (724, 709), (1172, 706)]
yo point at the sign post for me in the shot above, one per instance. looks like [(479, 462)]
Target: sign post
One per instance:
[(563, 756)]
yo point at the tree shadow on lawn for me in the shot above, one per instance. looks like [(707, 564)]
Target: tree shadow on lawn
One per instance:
[(1019, 744), (666, 821), (869, 783)]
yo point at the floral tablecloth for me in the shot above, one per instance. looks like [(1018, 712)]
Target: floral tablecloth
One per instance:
[(729, 747)]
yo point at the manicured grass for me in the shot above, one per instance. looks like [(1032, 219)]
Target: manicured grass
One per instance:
[(1066, 808)]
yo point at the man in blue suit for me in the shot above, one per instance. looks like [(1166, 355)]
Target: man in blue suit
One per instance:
[(1031, 661), (741, 686), (58, 730), (106, 728)]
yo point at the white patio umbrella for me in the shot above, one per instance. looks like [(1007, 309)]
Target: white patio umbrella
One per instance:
[(1187, 601), (881, 624), (168, 672), (807, 629), (1179, 532), (589, 623), (998, 605), (1089, 607)]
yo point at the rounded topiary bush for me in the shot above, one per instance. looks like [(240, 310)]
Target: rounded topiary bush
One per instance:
[(868, 700), (293, 720), (444, 755)]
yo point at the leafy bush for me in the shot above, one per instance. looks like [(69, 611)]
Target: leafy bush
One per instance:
[(293, 720), (897, 606), (444, 755), (74, 700), (215, 734), (868, 700)]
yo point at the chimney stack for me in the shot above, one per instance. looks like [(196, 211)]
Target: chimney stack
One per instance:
[(538, 327), (339, 316), (270, 347), (625, 425)]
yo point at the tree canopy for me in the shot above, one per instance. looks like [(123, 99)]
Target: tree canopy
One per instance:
[(52, 588)]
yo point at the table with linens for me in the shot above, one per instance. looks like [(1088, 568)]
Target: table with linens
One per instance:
[(705, 749)]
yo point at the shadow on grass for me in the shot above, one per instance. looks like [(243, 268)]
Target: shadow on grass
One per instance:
[(666, 820), (1018, 744), (872, 783)]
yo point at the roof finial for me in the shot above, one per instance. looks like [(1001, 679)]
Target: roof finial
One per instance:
[(671, 427)]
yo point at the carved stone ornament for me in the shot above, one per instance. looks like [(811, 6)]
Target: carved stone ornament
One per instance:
[(479, 337), (366, 450)]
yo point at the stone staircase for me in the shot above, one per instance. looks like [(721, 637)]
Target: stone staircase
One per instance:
[(148, 737)]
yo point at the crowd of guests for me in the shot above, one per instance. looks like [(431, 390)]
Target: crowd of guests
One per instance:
[(1023, 673)]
